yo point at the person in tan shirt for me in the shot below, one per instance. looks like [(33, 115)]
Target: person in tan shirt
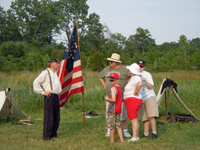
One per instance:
[(116, 67)]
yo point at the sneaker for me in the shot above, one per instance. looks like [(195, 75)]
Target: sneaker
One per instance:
[(107, 134), (127, 134), (137, 138), (143, 136), (133, 139), (153, 136)]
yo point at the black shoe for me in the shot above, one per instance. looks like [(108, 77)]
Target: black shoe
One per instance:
[(54, 136), (153, 136), (143, 136), (48, 139)]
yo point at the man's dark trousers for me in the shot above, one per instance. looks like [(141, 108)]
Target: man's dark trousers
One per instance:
[(51, 116)]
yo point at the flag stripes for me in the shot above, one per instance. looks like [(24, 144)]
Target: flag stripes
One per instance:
[(70, 73)]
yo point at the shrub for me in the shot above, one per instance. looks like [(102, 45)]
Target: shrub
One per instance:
[(97, 61), (12, 48), (83, 60)]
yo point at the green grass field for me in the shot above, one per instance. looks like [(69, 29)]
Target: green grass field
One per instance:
[(71, 133)]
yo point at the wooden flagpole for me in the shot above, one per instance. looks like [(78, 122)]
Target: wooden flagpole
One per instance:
[(82, 92), (83, 110)]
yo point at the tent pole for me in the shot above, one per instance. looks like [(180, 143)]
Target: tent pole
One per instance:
[(83, 110), (6, 109), (166, 101)]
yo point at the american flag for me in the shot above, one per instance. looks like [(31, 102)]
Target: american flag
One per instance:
[(69, 72)]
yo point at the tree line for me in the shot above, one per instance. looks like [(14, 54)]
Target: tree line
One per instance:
[(29, 28)]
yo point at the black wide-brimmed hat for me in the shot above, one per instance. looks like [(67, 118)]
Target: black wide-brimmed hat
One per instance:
[(53, 60)]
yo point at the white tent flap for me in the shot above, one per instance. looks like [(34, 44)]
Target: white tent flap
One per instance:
[(17, 112)]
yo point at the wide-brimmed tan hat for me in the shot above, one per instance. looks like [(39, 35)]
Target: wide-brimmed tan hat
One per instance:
[(114, 57), (134, 69)]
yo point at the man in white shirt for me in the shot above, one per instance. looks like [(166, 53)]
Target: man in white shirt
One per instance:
[(52, 87), (149, 107)]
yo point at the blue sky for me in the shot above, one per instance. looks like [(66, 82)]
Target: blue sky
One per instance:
[(166, 20)]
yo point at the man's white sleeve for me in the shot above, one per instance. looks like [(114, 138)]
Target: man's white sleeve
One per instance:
[(37, 82), (150, 79)]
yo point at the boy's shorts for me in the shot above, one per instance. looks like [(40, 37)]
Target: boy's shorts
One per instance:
[(123, 116), (149, 109), (113, 122)]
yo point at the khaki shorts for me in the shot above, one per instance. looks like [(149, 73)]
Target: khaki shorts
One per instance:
[(113, 122), (149, 109), (123, 115)]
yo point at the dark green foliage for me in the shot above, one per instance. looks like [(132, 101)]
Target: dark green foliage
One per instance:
[(118, 40), (195, 42), (11, 48), (84, 46), (142, 39), (18, 56), (34, 61), (97, 61), (194, 60), (83, 60), (28, 28), (95, 35), (111, 50)]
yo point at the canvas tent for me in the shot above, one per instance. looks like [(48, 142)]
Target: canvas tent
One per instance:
[(167, 83), (8, 107)]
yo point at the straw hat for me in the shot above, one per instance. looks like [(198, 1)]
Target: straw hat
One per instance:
[(114, 57), (134, 69)]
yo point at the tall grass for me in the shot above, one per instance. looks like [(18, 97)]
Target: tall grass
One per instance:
[(21, 85)]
